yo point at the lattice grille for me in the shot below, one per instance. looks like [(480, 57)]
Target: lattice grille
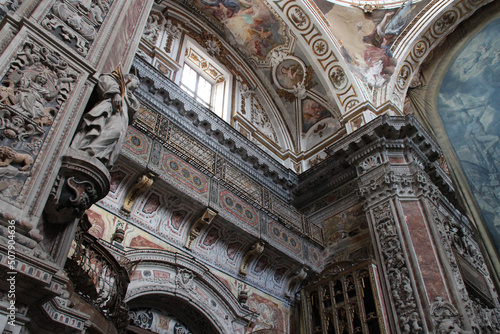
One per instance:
[(147, 118), (244, 183), (192, 148), (346, 303), (287, 213)]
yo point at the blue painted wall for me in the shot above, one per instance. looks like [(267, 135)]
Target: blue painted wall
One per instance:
[(469, 105)]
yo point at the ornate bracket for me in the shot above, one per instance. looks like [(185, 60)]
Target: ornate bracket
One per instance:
[(142, 184), (195, 230), (250, 255), (295, 279), (81, 182)]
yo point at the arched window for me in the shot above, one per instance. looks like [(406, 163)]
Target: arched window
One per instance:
[(205, 79)]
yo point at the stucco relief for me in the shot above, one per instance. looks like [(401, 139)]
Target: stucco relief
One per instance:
[(32, 92), (77, 22), (271, 315), (261, 119), (154, 26)]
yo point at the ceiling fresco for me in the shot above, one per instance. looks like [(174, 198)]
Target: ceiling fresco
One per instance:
[(251, 25), (309, 71), (367, 33), (262, 35), (469, 101)]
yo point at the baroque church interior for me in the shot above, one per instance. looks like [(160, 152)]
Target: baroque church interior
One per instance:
[(249, 166)]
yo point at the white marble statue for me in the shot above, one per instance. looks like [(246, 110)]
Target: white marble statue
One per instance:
[(104, 128)]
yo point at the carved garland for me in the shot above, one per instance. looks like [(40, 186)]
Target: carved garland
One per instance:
[(444, 229), (397, 271), (261, 119)]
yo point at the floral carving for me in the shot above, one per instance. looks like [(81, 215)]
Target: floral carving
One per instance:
[(397, 270), (370, 162), (213, 48)]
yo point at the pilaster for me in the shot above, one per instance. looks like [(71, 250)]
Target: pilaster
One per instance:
[(400, 184)]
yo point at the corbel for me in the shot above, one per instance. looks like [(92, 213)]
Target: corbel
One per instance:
[(295, 279), (250, 255), (142, 184), (205, 219)]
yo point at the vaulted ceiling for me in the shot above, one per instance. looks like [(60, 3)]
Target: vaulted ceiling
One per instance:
[(317, 69)]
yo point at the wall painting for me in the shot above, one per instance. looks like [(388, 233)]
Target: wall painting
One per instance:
[(469, 105)]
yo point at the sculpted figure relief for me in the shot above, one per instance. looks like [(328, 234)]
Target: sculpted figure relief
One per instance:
[(9, 156), (104, 128), (32, 95)]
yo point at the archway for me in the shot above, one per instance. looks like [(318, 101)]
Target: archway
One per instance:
[(165, 314), (177, 287)]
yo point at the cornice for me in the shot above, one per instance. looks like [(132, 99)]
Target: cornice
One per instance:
[(389, 128)]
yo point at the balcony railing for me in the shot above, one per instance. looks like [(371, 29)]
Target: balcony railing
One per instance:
[(98, 277)]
